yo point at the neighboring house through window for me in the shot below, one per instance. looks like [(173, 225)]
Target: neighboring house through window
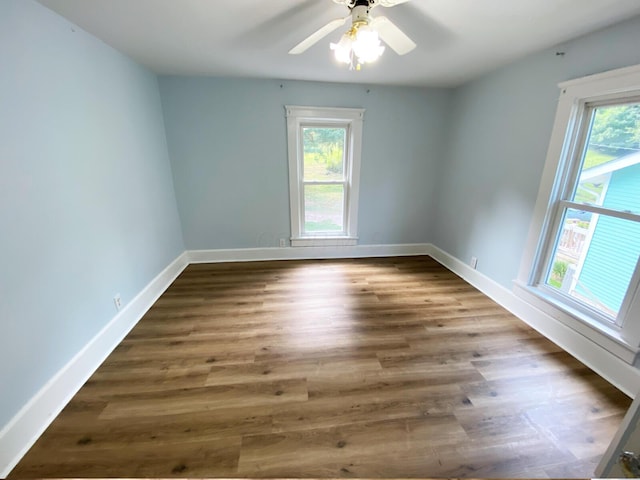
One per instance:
[(587, 220), (324, 146)]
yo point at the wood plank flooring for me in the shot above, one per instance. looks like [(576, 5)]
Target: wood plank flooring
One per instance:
[(386, 367)]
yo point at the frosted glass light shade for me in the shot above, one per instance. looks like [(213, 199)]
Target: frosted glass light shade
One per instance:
[(342, 49), (366, 45)]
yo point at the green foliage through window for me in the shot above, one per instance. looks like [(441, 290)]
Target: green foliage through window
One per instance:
[(616, 127), (323, 152)]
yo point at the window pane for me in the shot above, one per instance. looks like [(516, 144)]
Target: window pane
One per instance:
[(610, 171), (323, 208), (594, 259), (323, 150)]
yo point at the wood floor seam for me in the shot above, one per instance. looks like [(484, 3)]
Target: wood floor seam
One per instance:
[(351, 368)]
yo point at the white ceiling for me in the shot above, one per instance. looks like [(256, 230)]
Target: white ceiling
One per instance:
[(457, 39)]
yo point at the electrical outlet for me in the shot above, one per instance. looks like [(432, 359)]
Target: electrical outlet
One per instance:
[(283, 243), (118, 301), (474, 262)]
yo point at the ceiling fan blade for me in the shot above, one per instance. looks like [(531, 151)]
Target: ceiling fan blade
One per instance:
[(391, 3), (318, 35), (392, 35)]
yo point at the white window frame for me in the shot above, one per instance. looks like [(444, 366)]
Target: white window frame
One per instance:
[(351, 119), (577, 96)]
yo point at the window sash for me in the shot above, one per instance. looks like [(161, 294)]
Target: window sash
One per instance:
[(548, 257), (346, 173), (345, 204), (346, 154), (567, 182), (576, 156)]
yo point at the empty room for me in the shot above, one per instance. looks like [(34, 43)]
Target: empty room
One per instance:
[(319, 238)]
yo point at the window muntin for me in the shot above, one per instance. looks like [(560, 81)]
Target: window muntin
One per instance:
[(594, 243)]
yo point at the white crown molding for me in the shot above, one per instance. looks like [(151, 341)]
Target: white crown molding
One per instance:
[(22, 431)]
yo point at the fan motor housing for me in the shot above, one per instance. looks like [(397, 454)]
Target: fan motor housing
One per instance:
[(360, 11)]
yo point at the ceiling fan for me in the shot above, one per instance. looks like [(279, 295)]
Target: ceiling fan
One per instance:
[(361, 43)]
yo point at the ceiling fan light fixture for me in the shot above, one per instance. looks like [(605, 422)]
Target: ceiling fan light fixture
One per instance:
[(342, 50), (367, 46), (361, 44)]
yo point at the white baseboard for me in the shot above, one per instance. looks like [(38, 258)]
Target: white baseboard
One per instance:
[(621, 374), (22, 431), (306, 253), (31, 421)]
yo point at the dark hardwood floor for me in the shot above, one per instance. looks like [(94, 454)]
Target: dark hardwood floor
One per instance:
[(390, 367)]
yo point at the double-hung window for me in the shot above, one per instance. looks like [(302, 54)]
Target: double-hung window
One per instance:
[(586, 261), (594, 240), (324, 167)]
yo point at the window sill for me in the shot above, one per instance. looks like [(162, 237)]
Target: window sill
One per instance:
[(324, 241), (608, 337)]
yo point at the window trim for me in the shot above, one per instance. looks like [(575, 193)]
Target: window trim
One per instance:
[(564, 201), (349, 118), (575, 95)]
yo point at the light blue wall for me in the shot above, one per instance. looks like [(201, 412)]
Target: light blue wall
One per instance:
[(87, 208), (500, 129), (227, 143), (87, 205)]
